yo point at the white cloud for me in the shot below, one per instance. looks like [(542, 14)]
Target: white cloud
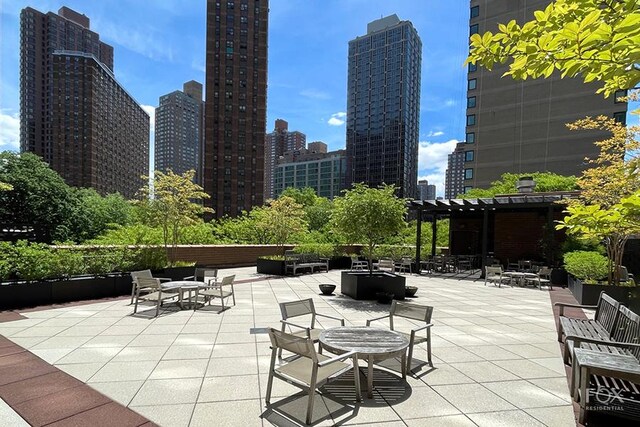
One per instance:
[(198, 65), (436, 133), (432, 162), (337, 119), (315, 94), (9, 131), (144, 41)]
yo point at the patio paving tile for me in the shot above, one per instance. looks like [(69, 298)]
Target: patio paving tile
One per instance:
[(179, 369), (188, 352), (216, 389), (238, 413), (484, 371), (8, 417), (120, 391), (422, 403), (505, 419), (139, 354), (524, 395), (167, 392), (90, 355), (81, 371), (42, 385), (168, 415), (553, 417), (448, 421), (527, 369), (470, 398), (124, 371), (232, 366)]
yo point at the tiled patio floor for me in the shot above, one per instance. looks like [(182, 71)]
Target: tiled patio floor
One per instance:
[(496, 359)]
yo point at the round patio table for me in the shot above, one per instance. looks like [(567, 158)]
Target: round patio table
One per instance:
[(373, 344), (182, 286)]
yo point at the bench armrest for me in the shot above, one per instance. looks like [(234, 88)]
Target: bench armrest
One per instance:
[(579, 340), (337, 359), (376, 318), (189, 278), (562, 305)]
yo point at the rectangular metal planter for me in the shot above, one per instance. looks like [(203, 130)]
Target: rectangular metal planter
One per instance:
[(588, 294), (362, 286), (270, 266)]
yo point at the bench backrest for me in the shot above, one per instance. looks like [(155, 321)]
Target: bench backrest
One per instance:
[(607, 312), (386, 263), (627, 328)]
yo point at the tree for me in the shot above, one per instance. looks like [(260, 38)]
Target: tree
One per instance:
[(545, 181), (612, 225), (39, 197), (282, 219), (369, 216), (317, 209), (95, 214), (170, 203), (614, 173), (598, 40)]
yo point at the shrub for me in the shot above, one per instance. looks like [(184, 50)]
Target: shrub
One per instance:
[(394, 252), (588, 266), (6, 260), (33, 261), (324, 250), (66, 262), (149, 257)]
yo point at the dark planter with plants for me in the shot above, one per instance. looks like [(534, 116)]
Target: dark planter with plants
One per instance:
[(274, 267), (588, 294), (78, 289), (362, 286), (559, 277), (17, 295), (175, 273)]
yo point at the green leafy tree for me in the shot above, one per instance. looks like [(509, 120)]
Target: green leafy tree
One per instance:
[(94, 214), (545, 181), (282, 219), (370, 216), (597, 40), (39, 197), (172, 204), (317, 209)]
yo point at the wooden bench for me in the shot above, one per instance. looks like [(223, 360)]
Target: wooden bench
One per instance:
[(600, 328)]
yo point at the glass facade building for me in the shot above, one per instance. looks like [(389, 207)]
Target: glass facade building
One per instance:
[(325, 174), (383, 105)]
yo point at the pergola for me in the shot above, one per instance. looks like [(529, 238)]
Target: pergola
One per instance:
[(484, 208)]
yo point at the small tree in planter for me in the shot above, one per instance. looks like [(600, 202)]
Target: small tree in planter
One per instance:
[(369, 216)]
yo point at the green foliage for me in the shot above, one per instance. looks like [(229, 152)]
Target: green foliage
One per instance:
[(324, 250), (369, 216), (545, 181), (95, 214), (7, 259), (273, 257), (134, 234), (173, 205), (594, 39), (317, 209), (33, 261), (573, 243), (394, 252), (586, 265)]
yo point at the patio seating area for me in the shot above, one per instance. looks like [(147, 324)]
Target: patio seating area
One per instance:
[(495, 355)]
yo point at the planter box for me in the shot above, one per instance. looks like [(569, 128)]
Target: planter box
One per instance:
[(360, 285), (175, 273), (339, 263), (21, 295), (559, 277), (270, 266), (589, 294)]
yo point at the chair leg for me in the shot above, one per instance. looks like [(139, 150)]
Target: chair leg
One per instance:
[(158, 306), (133, 292), (429, 347), (135, 307), (409, 357), (312, 392)]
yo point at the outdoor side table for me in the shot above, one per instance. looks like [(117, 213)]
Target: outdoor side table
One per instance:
[(182, 286), (590, 362), (373, 344)]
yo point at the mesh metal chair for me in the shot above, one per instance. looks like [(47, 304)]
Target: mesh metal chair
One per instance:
[(153, 292), (146, 274), (404, 265), (422, 313), (308, 370), (306, 308), (356, 264), (206, 275), (493, 275), (218, 290)]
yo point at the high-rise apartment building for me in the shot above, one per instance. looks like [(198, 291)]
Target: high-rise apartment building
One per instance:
[(179, 131), (383, 105), (520, 126), (73, 112), (426, 191), (235, 104), (276, 144), (321, 170), (457, 171)]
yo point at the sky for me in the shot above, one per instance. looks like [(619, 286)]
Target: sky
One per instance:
[(160, 44)]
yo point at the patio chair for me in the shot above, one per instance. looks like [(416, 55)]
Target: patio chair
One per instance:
[(418, 312), (404, 265), (303, 307), (357, 264), (153, 292), (146, 274), (493, 275), (384, 264), (206, 275), (217, 290), (308, 370)]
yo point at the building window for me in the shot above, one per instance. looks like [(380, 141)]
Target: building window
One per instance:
[(468, 156), (473, 29), (620, 117), (468, 173), (473, 83), (470, 138), (471, 102), (473, 67), (467, 188), (619, 94), (471, 119), (475, 11)]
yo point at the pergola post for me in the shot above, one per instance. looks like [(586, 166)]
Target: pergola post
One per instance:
[(551, 241), (434, 232), (485, 235)]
